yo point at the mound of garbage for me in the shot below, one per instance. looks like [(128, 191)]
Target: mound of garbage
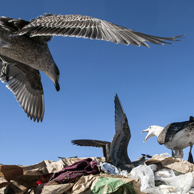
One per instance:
[(161, 174)]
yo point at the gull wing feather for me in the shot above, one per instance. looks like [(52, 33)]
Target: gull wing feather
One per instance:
[(89, 142), (122, 136), (25, 83), (105, 145), (88, 27)]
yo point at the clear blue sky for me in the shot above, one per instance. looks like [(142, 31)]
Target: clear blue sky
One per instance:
[(155, 85)]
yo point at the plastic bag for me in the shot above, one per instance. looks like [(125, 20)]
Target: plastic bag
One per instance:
[(109, 168), (146, 175), (165, 173), (182, 183)]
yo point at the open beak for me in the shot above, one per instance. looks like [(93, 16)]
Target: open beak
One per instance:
[(148, 135), (146, 130)]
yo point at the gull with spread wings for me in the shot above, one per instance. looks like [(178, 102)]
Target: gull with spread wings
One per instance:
[(24, 51), (115, 152)]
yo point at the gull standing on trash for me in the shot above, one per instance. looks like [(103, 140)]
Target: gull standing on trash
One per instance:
[(115, 152), (24, 51), (175, 136)]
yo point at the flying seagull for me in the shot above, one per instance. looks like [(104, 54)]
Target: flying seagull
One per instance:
[(175, 136), (116, 151), (24, 50)]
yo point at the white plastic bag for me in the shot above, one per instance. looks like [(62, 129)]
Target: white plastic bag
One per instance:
[(146, 175), (166, 189), (164, 173), (182, 183)]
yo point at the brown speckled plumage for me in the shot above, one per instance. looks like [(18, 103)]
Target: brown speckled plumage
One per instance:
[(24, 42)]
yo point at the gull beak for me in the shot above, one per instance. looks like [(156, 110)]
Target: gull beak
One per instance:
[(57, 86), (146, 130), (148, 135)]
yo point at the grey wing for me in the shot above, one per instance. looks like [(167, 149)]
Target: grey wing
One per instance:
[(122, 136), (105, 145), (89, 142), (88, 27), (120, 116), (25, 83), (170, 130)]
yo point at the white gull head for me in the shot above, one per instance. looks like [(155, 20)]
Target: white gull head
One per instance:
[(153, 130)]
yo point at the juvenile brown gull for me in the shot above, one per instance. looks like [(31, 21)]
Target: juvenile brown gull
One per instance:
[(116, 151), (24, 44)]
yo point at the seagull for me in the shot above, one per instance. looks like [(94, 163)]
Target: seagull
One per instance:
[(115, 152), (122, 136), (24, 51), (175, 136)]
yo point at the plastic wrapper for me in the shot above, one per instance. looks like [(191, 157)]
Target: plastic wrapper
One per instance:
[(146, 175), (182, 183), (109, 168)]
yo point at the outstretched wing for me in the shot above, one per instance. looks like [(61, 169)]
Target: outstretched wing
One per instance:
[(89, 142), (105, 145), (88, 27), (122, 136), (25, 83)]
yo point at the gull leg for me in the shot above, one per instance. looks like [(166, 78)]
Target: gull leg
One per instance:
[(172, 153), (190, 158), (178, 154)]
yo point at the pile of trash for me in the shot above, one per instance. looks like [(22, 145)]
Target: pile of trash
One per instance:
[(161, 174)]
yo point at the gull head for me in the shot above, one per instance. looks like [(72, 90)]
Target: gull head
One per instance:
[(153, 130)]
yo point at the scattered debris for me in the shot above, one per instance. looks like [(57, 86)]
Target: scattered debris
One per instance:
[(160, 174)]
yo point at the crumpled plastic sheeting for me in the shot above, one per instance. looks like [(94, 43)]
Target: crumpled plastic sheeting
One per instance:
[(157, 178), (109, 168), (146, 175), (165, 173), (174, 184), (166, 189), (180, 184)]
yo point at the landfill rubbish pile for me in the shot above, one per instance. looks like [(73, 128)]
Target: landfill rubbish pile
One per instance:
[(161, 174), (113, 173)]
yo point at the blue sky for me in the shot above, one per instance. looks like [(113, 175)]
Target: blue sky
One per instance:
[(155, 85)]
